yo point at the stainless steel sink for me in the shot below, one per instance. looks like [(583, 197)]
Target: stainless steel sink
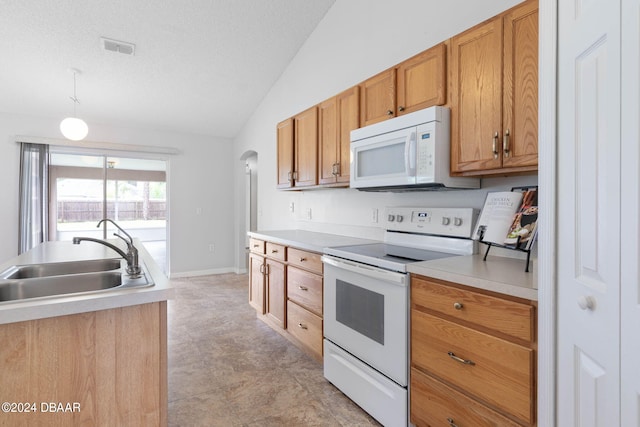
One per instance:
[(59, 268), (40, 280)]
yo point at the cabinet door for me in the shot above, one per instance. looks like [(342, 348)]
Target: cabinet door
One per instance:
[(520, 87), (285, 153), (306, 148), (476, 98), (276, 292), (256, 282), (348, 120), (422, 80), (327, 140), (378, 98)]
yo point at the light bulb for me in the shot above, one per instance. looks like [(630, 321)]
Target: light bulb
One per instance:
[(73, 128)]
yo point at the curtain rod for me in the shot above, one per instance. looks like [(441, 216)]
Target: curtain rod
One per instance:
[(97, 145)]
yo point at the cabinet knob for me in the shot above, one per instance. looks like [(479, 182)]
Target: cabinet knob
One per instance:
[(302, 259), (586, 302), (451, 423), (274, 251), (401, 108), (389, 113), (303, 288), (302, 326), (457, 306)]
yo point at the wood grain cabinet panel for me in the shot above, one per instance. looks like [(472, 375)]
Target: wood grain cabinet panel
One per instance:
[(311, 261), (306, 327), (473, 356), (256, 282), (276, 287), (447, 406), (257, 246), (337, 117), (497, 314), (494, 94), (285, 166), (113, 363), (378, 98), (305, 289), (422, 81), (305, 151), (276, 251)]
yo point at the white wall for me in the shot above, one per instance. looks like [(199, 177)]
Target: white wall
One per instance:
[(198, 177), (356, 40)]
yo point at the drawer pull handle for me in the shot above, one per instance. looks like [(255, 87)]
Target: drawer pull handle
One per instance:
[(457, 306), (303, 259), (274, 251), (256, 246), (303, 288), (461, 360), (301, 326), (451, 423)]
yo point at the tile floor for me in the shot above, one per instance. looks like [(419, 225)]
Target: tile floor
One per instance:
[(227, 368)]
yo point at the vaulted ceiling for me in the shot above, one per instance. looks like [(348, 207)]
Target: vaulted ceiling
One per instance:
[(200, 66)]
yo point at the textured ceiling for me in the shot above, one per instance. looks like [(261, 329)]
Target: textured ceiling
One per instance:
[(200, 66)]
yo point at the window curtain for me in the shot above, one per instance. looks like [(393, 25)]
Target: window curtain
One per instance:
[(34, 189)]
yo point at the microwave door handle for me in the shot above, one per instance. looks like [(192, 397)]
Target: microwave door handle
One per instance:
[(410, 154)]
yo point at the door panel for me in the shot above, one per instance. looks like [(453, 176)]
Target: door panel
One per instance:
[(588, 214)]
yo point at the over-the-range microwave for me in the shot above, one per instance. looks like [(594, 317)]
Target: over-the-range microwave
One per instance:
[(409, 152)]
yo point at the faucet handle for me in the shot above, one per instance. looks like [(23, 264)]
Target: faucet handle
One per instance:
[(128, 242), (119, 228)]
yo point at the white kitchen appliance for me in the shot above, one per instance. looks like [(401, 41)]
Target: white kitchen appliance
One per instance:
[(366, 305), (409, 152)]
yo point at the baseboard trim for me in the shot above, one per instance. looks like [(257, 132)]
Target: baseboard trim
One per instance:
[(197, 273)]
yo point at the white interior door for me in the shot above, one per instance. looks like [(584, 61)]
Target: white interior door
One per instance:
[(630, 186), (588, 213)]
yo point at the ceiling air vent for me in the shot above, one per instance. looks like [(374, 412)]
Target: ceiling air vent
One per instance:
[(118, 46)]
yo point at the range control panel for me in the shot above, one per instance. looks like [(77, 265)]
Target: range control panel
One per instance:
[(457, 222)]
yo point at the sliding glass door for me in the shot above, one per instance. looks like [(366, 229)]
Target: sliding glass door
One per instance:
[(86, 188)]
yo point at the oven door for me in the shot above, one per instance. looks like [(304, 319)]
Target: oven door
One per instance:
[(366, 313)]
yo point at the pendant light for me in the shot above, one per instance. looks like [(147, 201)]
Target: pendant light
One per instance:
[(74, 128)]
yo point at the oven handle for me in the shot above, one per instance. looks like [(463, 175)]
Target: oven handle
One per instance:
[(399, 279)]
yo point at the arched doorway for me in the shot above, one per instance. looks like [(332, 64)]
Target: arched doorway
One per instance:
[(249, 202)]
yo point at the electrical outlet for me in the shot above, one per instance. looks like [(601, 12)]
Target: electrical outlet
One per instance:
[(211, 247), (291, 207), (198, 211), (308, 213), (374, 215)]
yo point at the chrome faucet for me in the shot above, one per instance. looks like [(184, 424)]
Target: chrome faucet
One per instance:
[(131, 256)]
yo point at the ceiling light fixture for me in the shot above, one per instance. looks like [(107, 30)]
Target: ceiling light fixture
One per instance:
[(74, 128)]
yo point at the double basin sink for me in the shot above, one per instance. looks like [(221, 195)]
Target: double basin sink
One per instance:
[(21, 282)]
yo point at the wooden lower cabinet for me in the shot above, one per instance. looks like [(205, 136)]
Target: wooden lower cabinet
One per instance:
[(285, 288), (306, 327), (464, 367), (441, 405), (111, 363)]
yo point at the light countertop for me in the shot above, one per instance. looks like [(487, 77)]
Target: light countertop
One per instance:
[(308, 240), (498, 274), (39, 308)]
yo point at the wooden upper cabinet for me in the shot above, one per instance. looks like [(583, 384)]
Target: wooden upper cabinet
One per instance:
[(337, 117), (494, 94), (378, 98), (520, 87), (285, 154), (305, 150), (476, 97), (422, 80)]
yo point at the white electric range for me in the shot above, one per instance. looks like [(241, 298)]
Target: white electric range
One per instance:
[(366, 305)]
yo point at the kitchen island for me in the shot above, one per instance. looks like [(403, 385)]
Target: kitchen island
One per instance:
[(93, 358)]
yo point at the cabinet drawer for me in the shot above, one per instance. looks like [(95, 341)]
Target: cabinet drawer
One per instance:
[(434, 404), (508, 317), (498, 371), (305, 288), (308, 260), (276, 251), (305, 326), (256, 246)]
